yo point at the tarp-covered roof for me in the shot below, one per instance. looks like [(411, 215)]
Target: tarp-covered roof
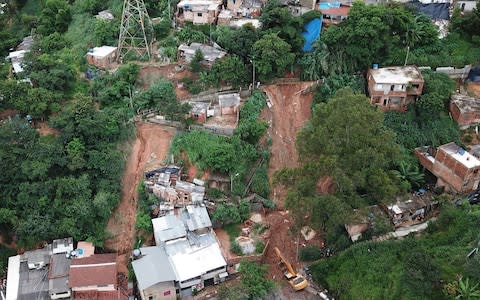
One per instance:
[(312, 33), (433, 10)]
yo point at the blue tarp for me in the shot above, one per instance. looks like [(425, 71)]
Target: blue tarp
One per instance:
[(327, 5), (312, 33)]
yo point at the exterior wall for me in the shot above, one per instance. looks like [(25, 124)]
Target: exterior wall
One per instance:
[(393, 96), (466, 6), (455, 174), (198, 16), (232, 110), (308, 3), (199, 118), (234, 4), (110, 287), (160, 291), (102, 62), (464, 119)]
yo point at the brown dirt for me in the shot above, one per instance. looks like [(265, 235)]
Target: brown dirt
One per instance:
[(43, 129), (474, 88), (147, 152), (290, 111), (149, 74)]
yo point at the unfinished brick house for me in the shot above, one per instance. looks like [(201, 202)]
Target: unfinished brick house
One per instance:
[(394, 88), (455, 169), (465, 110)]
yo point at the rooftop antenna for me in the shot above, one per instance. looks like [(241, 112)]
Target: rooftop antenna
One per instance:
[(135, 30)]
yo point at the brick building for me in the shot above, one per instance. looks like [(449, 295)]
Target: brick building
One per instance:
[(465, 110), (394, 88), (455, 168)]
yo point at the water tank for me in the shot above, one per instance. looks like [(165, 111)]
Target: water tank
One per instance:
[(375, 66), (461, 151), (136, 253)]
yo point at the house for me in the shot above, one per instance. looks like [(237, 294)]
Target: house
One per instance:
[(465, 110), (41, 273), (245, 8), (228, 104), (94, 275), (154, 273), (58, 271), (102, 57), (334, 15), (394, 88), (186, 256), (198, 12), (210, 54), (199, 111), (455, 169), (410, 212)]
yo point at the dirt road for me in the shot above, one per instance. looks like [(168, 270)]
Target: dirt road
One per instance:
[(289, 112), (148, 151)]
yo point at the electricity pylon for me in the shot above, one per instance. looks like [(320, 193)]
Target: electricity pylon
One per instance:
[(135, 30)]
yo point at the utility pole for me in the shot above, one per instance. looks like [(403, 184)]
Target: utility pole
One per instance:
[(136, 30), (253, 79)]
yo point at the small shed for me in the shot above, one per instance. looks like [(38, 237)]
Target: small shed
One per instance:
[(102, 57)]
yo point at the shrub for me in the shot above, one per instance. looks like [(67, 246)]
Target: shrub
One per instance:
[(244, 210), (235, 248), (467, 138), (310, 253), (259, 247)]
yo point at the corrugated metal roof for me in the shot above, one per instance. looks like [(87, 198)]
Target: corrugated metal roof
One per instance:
[(197, 218), (152, 267), (167, 228)]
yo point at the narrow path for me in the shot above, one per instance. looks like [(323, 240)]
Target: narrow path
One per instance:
[(148, 151)]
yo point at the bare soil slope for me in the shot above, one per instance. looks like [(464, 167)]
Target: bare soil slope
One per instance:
[(290, 111), (148, 151)]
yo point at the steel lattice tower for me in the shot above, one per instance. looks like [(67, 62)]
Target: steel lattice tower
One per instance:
[(135, 30)]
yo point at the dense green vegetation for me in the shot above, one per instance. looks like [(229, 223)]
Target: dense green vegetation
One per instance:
[(228, 155), (66, 183), (424, 267)]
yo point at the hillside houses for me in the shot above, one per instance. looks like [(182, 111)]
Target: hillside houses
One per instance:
[(394, 88), (187, 253), (57, 271)]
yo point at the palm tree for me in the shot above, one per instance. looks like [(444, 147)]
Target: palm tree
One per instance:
[(467, 291), (315, 64), (410, 173)]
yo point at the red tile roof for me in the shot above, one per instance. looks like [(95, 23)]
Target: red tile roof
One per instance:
[(99, 269), (341, 11)]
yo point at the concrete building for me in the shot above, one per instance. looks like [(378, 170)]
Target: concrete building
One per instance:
[(102, 57), (455, 169), (210, 54), (394, 88), (198, 12), (40, 274), (465, 110), (187, 251)]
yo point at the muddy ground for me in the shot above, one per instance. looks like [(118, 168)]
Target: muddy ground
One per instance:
[(289, 112), (147, 151)]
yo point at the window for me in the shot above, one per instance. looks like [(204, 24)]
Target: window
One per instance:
[(384, 102), (199, 14), (392, 87), (151, 297), (166, 293)]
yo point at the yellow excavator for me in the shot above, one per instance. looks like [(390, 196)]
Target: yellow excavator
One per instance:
[(296, 280)]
